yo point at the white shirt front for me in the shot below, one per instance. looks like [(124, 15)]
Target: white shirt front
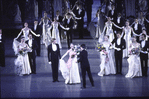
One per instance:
[(118, 41), (57, 17), (30, 43), (143, 43), (118, 19), (80, 11), (112, 12), (0, 38), (35, 27), (68, 21), (54, 47), (136, 26)]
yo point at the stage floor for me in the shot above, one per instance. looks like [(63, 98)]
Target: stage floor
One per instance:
[(40, 85)]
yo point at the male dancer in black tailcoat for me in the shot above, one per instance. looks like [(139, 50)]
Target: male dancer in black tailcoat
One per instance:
[(85, 66), (68, 23), (144, 55), (53, 58), (37, 30), (32, 55), (120, 45)]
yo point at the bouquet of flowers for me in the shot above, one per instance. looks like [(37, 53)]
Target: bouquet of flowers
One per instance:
[(77, 49), (22, 51), (135, 51), (100, 47), (73, 55)]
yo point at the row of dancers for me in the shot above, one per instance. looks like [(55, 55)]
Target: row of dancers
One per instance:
[(123, 48), (70, 70), (137, 61), (131, 37), (54, 30)]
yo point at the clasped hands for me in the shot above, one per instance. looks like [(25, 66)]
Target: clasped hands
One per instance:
[(118, 49)]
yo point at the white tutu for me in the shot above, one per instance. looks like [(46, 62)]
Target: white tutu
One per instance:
[(64, 70)]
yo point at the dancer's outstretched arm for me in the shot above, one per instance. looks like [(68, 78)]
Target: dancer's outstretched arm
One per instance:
[(37, 35), (134, 32), (19, 34), (41, 21), (117, 26), (147, 20), (65, 54), (63, 27), (104, 29)]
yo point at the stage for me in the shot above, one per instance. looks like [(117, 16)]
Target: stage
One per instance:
[(40, 85)]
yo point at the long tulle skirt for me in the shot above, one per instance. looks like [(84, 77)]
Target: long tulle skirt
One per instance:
[(107, 67), (134, 69), (22, 65), (70, 74)]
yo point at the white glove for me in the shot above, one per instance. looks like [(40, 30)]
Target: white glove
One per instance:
[(50, 63), (118, 49), (67, 28), (38, 35), (145, 52)]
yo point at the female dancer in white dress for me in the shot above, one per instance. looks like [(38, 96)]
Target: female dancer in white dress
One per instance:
[(134, 68), (107, 61), (55, 31), (45, 20), (98, 30), (108, 29), (22, 62), (71, 67), (127, 36), (26, 31)]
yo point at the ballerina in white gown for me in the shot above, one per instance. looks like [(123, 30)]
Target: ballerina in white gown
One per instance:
[(45, 20), (127, 37), (55, 31), (98, 28), (108, 30), (22, 65), (70, 70), (107, 61), (134, 69), (26, 31)]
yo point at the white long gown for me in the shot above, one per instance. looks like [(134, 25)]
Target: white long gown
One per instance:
[(25, 33), (55, 32), (45, 27), (70, 70), (134, 69), (127, 38), (107, 68), (108, 31), (98, 30), (22, 65)]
